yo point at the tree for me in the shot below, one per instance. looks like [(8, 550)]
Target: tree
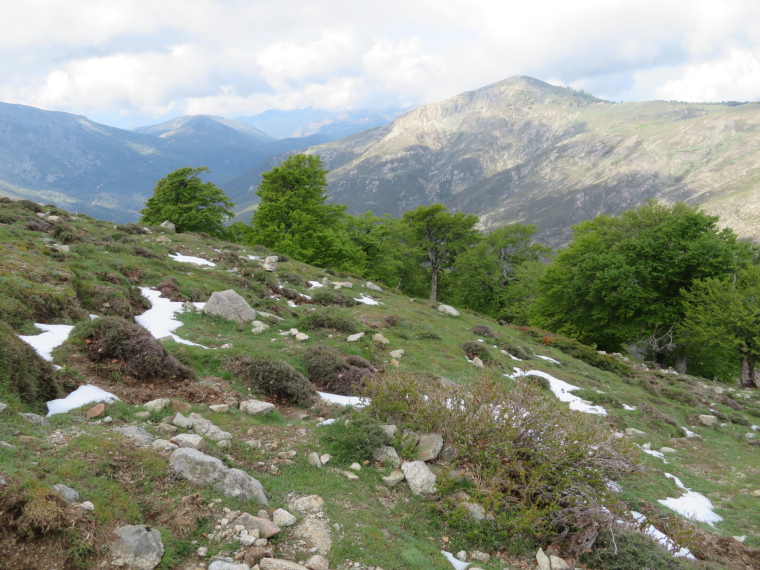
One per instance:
[(622, 278), (293, 217), (483, 272), (189, 203), (723, 316), (441, 236)]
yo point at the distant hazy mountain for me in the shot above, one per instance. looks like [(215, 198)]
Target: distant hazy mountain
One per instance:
[(330, 124), (525, 151)]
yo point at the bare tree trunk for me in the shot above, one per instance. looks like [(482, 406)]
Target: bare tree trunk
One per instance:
[(433, 285), (747, 377), (680, 364)]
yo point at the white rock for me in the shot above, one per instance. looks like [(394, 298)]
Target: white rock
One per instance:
[(420, 478), (396, 353), (256, 407), (219, 408), (259, 327), (156, 405), (448, 310), (354, 337)]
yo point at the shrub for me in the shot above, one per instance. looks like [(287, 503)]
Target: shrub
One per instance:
[(483, 330), (132, 346), (473, 349), (326, 296), (29, 205), (630, 550), (580, 351), (331, 319), (515, 350), (293, 279), (64, 233), (23, 372), (428, 335), (353, 438), (539, 477), (143, 252), (333, 372), (38, 225), (130, 229), (274, 378)]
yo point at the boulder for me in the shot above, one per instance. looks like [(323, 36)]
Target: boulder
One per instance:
[(264, 527), (448, 310), (283, 518), (238, 484), (420, 478), (190, 440), (387, 454), (219, 408), (163, 445), (372, 287), (394, 478), (429, 446), (708, 420), (181, 421), (354, 337), (317, 562), (256, 407), (156, 405), (270, 263), (138, 435), (137, 546), (379, 338), (279, 564), (207, 428), (229, 305), (69, 495), (166, 224), (259, 327)]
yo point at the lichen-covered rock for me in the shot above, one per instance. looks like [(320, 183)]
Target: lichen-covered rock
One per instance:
[(137, 547), (420, 478), (229, 305)]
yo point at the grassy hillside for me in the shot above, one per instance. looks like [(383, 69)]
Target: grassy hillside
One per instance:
[(59, 268)]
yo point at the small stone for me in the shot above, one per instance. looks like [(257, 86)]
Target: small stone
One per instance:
[(394, 478), (270, 263), (167, 225), (647, 446), (314, 460), (163, 445), (283, 518), (739, 538), (475, 511), (95, 411), (137, 546), (202, 551), (667, 450), (309, 504), (478, 363), (318, 562), (708, 420), (420, 478), (156, 405), (750, 435), (448, 310), (34, 419), (259, 326), (755, 493), (302, 337), (219, 408), (256, 407), (182, 422), (371, 286), (355, 467), (69, 495), (180, 406), (3, 407), (279, 564), (461, 556), (379, 338), (395, 363), (324, 458), (557, 563), (429, 446), (480, 556), (396, 353), (350, 475), (390, 430), (167, 428), (387, 455), (265, 527), (190, 440), (633, 432), (87, 506), (354, 337), (247, 539), (6, 445), (543, 560)]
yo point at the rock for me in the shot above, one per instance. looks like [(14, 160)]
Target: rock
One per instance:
[(633, 432), (309, 504), (429, 446), (346, 284), (224, 565), (379, 338), (95, 411), (141, 415), (190, 440), (755, 493), (314, 459), (324, 458), (447, 310), (480, 556), (420, 478), (69, 495), (265, 527), (181, 421), (390, 431), (557, 563), (396, 353), (667, 450), (475, 511), (478, 363), (387, 455), (395, 363), (229, 305), (219, 408), (354, 337), (394, 478), (238, 484), (166, 224), (156, 405), (163, 445), (543, 560), (750, 435), (138, 435), (87, 506), (350, 475), (316, 532), (302, 337), (259, 327), (448, 453), (372, 287), (279, 564), (181, 407), (138, 547), (3, 407), (708, 420), (270, 263), (256, 407), (34, 419), (317, 562), (283, 518), (205, 427), (6, 445)]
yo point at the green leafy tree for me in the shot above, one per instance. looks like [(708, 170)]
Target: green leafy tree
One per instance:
[(441, 236), (189, 203), (293, 215), (483, 272), (722, 316), (622, 278)]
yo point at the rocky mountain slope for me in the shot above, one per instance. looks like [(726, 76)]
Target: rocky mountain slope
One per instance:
[(525, 151), (175, 469)]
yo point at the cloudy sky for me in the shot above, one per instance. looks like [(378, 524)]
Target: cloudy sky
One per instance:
[(134, 62)]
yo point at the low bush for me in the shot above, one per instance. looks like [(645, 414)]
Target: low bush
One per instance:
[(24, 373), (330, 319), (630, 550), (325, 296), (143, 252), (293, 279), (483, 330), (580, 351), (130, 229), (537, 477), (515, 350), (29, 205), (473, 349), (274, 378), (332, 372), (353, 438), (428, 335), (38, 225), (128, 347)]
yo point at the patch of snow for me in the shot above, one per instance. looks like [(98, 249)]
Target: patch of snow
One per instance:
[(562, 390), (688, 432), (661, 537), (45, 342), (291, 304), (513, 357), (480, 340), (755, 428), (253, 257), (327, 422), (305, 296), (93, 317), (314, 284), (190, 259), (548, 359), (367, 300), (654, 453), (457, 564), (691, 504), (344, 400), (159, 319), (87, 394), (627, 407)]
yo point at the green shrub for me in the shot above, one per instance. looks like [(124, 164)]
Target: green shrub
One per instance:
[(483, 330), (630, 550), (428, 335), (473, 349), (24, 373), (37, 225), (330, 319), (29, 205), (325, 296), (293, 279), (130, 229), (274, 378), (353, 438), (515, 350), (132, 346), (580, 351), (332, 372)]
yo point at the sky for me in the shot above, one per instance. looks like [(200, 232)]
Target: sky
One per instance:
[(128, 63)]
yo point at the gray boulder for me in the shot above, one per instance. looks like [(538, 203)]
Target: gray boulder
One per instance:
[(166, 224), (138, 435), (448, 310), (238, 484), (137, 546), (270, 263), (429, 446), (69, 495), (256, 407), (420, 478), (191, 440), (229, 305), (207, 428), (279, 564), (387, 454)]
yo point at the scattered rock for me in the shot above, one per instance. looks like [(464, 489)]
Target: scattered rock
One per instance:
[(205, 427), (259, 327), (301, 337), (478, 363), (387, 455), (633, 432), (163, 445), (219, 408), (314, 459), (229, 305), (156, 405), (390, 430), (279, 564), (307, 505), (708, 420), (350, 476), (394, 477), (3, 407), (283, 518), (182, 422), (256, 407), (224, 565), (138, 435), (317, 562), (447, 310), (69, 495), (667, 450), (480, 556), (420, 478), (190, 440), (95, 411), (34, 419), (270, 263), (138, 547), (429, 446), (181, 407), (354, 337), (476, 512), (379, 338), (372, 287), (396, 353), (316, 532), (141, 415), (166, 224), (543, 560), (265, 527)]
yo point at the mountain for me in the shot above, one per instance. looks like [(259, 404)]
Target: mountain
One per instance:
[(522, 150)]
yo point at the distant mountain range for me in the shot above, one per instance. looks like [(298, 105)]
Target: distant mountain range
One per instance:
[(519, 150)]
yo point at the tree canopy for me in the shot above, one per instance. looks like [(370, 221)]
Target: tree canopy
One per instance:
[(189, 203)]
